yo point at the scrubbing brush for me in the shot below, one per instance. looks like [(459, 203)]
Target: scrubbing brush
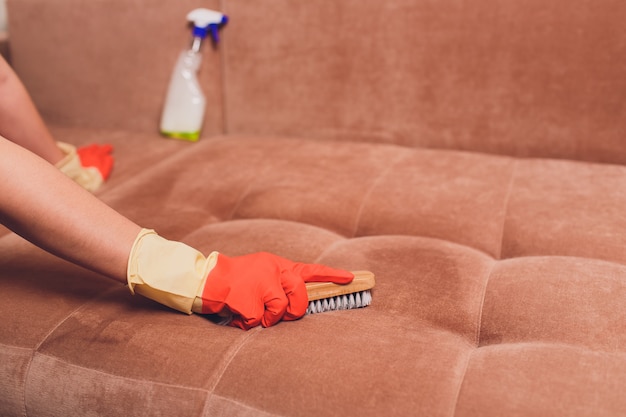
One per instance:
[(327, 296)]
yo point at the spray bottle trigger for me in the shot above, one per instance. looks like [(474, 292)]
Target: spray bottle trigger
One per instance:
[(206, 21), (214, 28)]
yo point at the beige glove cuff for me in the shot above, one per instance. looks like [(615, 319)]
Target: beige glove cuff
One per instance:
[(168, 272), (88, 177)]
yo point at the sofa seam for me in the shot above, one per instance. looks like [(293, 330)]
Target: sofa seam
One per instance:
[(209, 391), (232, 353), (505, 206), (240, 199), (328, 248), (35, 350), (111, 374), (462, 381), (229, 356), (223, 77), (482, 304), (373, 185), (476, 336), (248, 407)]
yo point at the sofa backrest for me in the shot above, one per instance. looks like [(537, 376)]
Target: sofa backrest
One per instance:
[(106, 63), (528, 78)]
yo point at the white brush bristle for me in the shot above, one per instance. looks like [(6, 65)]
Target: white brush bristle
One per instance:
[(341, 302)]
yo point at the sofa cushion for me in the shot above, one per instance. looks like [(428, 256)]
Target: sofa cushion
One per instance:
[(482, 305)]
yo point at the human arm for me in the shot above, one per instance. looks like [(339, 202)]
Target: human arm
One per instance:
[(21, 123), (51, 211), (48, 209), (19, 119)]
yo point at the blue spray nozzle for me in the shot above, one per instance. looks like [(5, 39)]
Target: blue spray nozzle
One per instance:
[(200, 31), (206, 22)]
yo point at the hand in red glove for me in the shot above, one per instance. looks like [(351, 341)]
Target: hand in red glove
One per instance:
[(262, 288), (88, 166), (97, 156)]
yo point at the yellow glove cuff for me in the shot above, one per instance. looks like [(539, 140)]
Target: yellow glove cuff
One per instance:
[(168, 272), (87, 177)]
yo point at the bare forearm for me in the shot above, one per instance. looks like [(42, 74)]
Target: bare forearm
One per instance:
[(50, 210), (19, 119)]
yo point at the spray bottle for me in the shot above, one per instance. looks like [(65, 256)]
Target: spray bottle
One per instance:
[(183, 112)]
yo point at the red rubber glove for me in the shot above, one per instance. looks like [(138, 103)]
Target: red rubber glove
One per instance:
[(262, 288), (97, 156)]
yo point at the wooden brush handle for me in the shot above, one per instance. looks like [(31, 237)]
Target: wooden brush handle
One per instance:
[(363, 280)]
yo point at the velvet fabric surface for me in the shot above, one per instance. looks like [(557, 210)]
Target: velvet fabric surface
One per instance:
[(469, 155)]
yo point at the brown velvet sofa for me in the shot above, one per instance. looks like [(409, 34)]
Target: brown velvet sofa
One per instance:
[(471, 154)]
